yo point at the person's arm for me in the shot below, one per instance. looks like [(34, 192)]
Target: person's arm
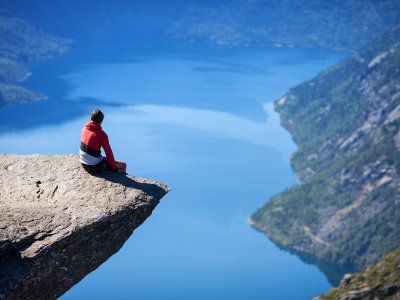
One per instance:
[(107, 149)]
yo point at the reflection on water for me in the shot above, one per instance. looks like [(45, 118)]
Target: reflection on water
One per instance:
[(203, 122), (226, 125), (333, 273)]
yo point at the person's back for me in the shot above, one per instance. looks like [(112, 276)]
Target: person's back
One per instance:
[(92, 139)]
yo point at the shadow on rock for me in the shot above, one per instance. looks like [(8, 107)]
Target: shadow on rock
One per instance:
[(149, 187)]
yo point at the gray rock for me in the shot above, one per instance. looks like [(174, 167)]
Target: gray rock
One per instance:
[(58, 223), (346, 280)]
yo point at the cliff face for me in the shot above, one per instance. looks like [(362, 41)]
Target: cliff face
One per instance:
[(380, 281), (58, 223), (346, 123)]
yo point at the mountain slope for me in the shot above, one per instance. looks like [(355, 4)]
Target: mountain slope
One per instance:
[(380, 281), (346, 122)]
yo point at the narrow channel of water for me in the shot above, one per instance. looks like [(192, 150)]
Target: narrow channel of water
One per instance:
[(200, 119)]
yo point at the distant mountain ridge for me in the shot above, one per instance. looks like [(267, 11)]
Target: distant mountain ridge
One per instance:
[(100, 21), (340, 25), (337, 24), (346, 123)]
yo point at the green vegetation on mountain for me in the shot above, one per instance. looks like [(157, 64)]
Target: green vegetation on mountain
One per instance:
[(337, 24), (21, 42), (346, 122), (380, 281)]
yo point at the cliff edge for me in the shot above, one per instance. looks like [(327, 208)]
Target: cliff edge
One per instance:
[(58, 223)]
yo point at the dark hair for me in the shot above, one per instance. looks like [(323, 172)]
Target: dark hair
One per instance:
[(97, 116)]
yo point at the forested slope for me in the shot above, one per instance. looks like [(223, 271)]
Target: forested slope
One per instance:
[(346, 122)]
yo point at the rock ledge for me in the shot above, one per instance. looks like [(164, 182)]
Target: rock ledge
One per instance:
[(58, 223)]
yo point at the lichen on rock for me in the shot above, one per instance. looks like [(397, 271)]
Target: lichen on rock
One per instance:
[(58, 222)]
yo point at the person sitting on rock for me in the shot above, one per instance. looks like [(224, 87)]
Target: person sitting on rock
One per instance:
[(92, 139)]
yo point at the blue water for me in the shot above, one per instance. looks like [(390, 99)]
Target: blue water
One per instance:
[(201, 119)]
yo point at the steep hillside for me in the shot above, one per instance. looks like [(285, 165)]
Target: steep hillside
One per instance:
[(380, 281), (346, 122)]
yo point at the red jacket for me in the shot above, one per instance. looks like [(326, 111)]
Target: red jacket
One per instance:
[(94, 137)]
